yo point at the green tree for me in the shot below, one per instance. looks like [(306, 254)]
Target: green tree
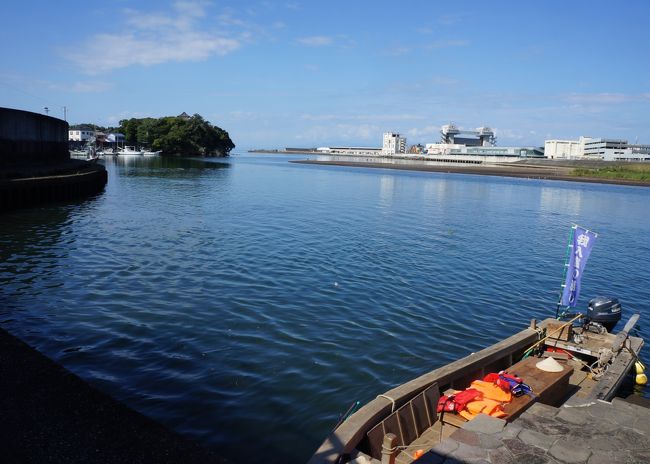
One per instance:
[(179, 136)]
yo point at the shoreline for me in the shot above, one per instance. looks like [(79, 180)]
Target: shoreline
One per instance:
[(51, 415), (525, 171)]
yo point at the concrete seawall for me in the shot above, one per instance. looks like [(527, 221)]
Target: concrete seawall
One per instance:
[(32, 137), (35, 164), (80, 181)]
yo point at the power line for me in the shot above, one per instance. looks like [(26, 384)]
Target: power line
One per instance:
[(42, 100)]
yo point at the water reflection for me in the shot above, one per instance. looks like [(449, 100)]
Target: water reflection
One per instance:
[(163, 165), (555, 200), (386, 189)]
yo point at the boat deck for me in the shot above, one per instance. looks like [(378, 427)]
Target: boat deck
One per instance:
[(562, 423), (396, 424)]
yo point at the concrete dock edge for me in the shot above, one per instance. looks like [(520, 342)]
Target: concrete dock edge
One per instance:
[(49, 415)]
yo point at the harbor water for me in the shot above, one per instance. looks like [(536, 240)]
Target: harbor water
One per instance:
[(247, 302)]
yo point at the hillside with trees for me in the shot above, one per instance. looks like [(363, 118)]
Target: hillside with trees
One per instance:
[(177, 135)]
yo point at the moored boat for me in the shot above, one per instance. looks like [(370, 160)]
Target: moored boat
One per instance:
[(593, 363), (129, 150), (570, 361)]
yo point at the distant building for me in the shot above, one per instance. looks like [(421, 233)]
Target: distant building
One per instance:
[(80, 135), (393, 144), (565, 149), (455, 150), (605, 149), (480, 146), (596, 148), (355, 150), (416, 149), (115, 138), (481, 137), (184, 115)]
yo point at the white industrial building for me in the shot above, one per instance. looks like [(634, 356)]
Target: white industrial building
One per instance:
[(393, 144), (565, 149), (596, 148), (607, 149)]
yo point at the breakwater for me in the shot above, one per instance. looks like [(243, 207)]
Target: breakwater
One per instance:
[(35, 164), (27, 137)]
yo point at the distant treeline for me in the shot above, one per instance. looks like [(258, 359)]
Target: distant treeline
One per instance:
[(175, 135)]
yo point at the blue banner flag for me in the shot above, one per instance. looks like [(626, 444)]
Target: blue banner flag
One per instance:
[(582, 242)]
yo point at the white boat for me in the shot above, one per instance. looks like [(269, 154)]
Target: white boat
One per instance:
[(130, 150), (151, 153)]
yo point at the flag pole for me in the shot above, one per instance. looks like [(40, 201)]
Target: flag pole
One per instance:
[(569, 246), (582, 252)]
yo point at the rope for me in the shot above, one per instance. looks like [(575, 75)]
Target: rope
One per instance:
[(392, 408), (390, 450), (559, 329)]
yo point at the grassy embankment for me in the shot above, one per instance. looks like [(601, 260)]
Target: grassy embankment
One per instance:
[(635, 172)]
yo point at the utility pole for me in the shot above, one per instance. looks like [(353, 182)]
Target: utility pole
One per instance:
[(65, 113), (47, 110)]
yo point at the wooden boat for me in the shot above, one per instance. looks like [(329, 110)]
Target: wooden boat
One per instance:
[(388, 428)]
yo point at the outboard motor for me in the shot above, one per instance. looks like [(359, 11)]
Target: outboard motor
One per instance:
[(603, 311)]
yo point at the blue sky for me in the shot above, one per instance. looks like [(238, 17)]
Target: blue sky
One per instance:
[(308, 73)]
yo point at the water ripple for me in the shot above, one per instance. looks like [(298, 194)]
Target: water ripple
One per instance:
[(248, 303)]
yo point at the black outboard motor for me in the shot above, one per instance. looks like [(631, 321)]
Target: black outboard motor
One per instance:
[(604, 311)]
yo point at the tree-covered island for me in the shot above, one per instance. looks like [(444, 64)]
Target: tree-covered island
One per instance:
[(181, 135)]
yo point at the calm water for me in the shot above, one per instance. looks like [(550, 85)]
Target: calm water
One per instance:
[(247, 302)]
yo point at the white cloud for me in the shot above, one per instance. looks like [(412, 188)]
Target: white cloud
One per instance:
[(452, 19), (428, 131), (153, 38), (195, 9), (600, 98), (361, 117), (397, 51), (360, 132), (316, 41), (447, 43), (89, 87), (368, 134)]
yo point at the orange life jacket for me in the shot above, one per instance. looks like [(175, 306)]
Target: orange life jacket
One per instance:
[(486, 406), (491, 391)]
